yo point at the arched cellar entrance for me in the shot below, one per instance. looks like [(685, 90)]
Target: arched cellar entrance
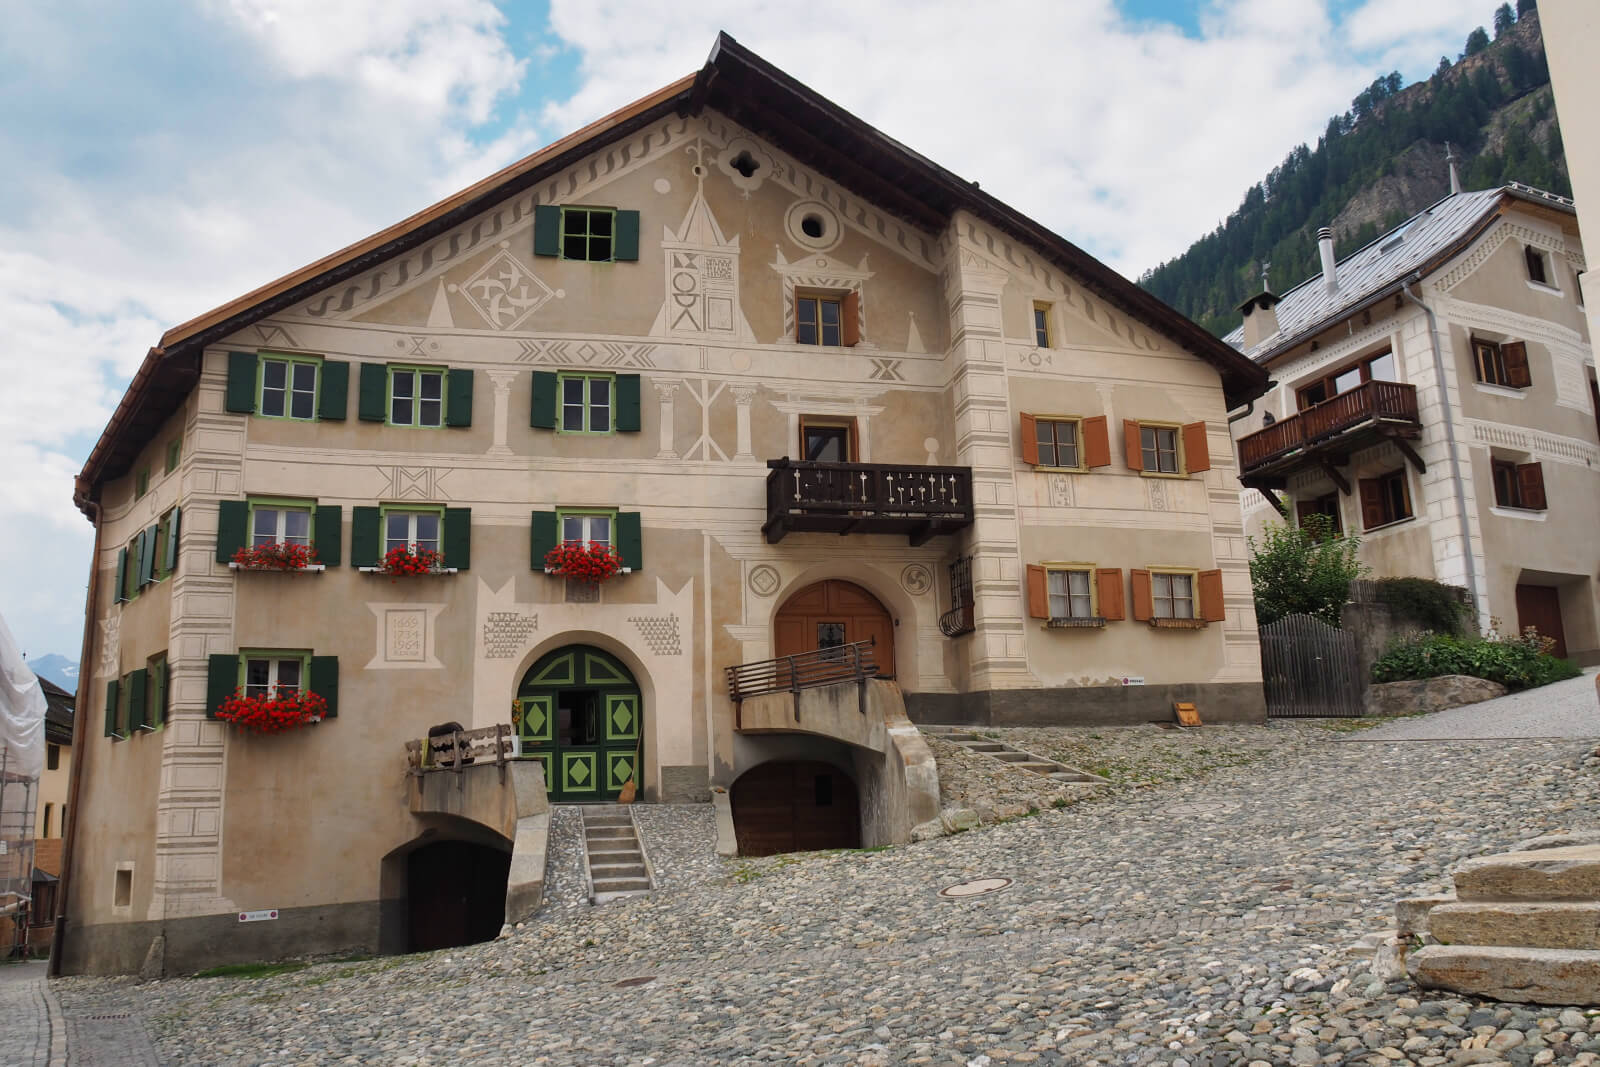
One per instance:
[(795, 806), (831, 613), (455, 894), (579, 712)]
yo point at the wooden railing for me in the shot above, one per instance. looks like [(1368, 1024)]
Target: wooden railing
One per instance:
[(869, 497), (808, 670), (462, 748), (1365, 403)]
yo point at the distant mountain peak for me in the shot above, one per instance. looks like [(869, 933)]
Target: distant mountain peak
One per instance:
[(56, 668)]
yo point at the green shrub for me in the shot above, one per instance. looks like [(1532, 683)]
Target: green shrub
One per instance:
[(1302, 569), (1516, 661), (1432, 605)]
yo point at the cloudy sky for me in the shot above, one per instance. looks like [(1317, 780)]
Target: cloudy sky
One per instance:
[(166, 156)]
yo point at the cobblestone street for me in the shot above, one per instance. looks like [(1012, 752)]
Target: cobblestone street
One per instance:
[(1202, 918)]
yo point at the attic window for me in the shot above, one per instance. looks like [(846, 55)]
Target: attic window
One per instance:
[(812, 225), (745, 163)]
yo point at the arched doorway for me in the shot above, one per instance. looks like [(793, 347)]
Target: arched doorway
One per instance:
[(832, 613), (455, 894), (579, 711), (795, 806)]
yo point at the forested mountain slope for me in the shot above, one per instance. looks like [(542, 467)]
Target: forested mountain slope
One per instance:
[(1378, 164)]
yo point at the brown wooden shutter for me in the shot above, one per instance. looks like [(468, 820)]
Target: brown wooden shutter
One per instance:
[(1303, 509), (1109, 583), (850, 318), (1371, 503), (1515, 354), (1211, 609), (1530, 484), (1132, 445), (1096, 442), (1143, 603), (1038, 593), (1196, 452), (1030, 439)]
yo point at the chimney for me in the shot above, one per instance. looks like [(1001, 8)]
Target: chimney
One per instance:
[(1455, 175), (1330, 270), (1260, 320)]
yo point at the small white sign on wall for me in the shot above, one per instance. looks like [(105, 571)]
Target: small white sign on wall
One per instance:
[(1137, 679), (258, 916)]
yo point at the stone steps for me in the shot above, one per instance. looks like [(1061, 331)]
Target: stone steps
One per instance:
[(1558, 924), (1015, 757), (1544, 874), (1512, 973), (614, 854)]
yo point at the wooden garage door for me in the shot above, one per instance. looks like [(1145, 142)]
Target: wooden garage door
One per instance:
[(795, 807), (833, 613), (1539, 606)]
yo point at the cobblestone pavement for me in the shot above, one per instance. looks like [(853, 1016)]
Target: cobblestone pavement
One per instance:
[(1201, 919), (24, 1018), (1562, 709)]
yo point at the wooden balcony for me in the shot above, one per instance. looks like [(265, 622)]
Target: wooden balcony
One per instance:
[(1326, 435), (842, 498)]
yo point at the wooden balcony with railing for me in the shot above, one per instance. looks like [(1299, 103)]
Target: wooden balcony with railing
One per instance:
[(814, 497), (1330, 431)]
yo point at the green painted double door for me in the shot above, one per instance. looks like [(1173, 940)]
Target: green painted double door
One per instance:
[(579, 712)]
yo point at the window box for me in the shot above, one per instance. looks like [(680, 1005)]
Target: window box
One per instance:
[(1178, 624), (275, 556), (584, 561), (1092, 622), (309, 568), (408, 561)]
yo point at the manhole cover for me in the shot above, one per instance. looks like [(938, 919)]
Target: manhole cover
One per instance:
[(975, 888), (115, 1017), (644, 979)]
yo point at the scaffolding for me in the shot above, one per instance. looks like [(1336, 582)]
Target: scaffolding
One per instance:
[(19, 795)]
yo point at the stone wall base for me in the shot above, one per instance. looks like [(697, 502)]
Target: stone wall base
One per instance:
[(199, 942), (1133, 705)]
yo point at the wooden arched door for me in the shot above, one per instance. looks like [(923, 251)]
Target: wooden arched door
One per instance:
[(835, 613)]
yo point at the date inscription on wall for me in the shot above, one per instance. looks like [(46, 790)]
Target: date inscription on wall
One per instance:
[(405, 636)]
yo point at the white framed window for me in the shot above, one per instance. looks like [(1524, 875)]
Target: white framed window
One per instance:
[(1172, 594), (288, 388), (411, 528), (261, 674), (279, 523), (416, 396), (587, 527), (1160, 447), (586, 403)]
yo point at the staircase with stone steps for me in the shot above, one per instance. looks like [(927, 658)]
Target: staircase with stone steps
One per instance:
[(614, 856), (1022, 761), (1524, 926)]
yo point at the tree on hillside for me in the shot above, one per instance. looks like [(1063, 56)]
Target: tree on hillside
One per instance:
[(1442, 69), (1526, 6), (1477, 41), (1503, 20)]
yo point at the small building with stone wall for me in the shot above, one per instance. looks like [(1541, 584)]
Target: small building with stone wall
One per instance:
[(1435, 393), (912, 418)]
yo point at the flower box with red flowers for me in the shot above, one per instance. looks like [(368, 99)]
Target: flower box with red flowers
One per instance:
[(274, 712), (584, 561), (276, 556), (403, 561)]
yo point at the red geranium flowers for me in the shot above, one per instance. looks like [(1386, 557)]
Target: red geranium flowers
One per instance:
[(280, 710), (275, 556), (402, 560), (583, 561)]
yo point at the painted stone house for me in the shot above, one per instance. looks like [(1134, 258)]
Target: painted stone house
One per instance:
[(1435, 392), (911, 421)]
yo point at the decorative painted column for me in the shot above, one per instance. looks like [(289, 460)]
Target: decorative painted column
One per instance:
[(502, 380), (664, 391), (743, 396)]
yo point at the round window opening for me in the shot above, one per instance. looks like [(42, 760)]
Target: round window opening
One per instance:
[(813, 227)]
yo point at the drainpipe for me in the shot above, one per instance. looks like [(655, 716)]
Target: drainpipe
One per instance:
[(80, 745), (1450, 439), (1250, 406)]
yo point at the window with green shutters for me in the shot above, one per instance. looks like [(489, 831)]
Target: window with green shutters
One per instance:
[(174, 453), (258, 671), (115, 710), (620, 529), (277, 520), (587, 234), (141, 484), (416, 396), (374, 531), (413, 396), (281, 385), (585, 403), (156, 699)]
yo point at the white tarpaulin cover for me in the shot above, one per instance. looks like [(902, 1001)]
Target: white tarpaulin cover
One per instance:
[(22, 708)]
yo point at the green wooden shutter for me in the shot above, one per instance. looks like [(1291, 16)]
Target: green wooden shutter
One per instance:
[(365, 541), (327, 533), (138, 686), (372, 402), (457, 539), (458, 397), (627, 246), (122, 575), (222, 678), (630, 540), (325, 681), (174, 524), (241, 392), (111, 708), (627, 403), (147, 569), (333, 402), (542, 412), (547, 230), (140, 559), (543, 534), (233, 525), (158, 694)]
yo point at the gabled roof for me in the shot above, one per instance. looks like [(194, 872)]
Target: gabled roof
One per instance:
[(752, 92), (59, 706), (1413, 249)]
